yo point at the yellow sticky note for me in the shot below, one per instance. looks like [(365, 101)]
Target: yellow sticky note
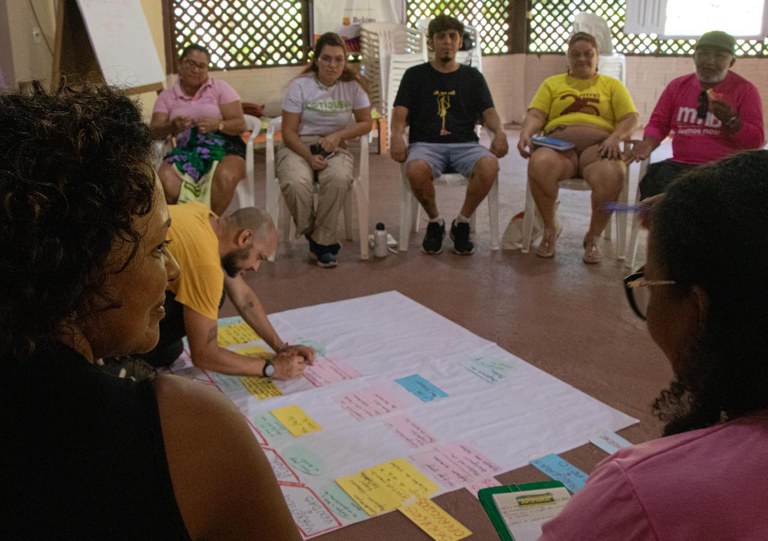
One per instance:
[(255, 351), (295, 420), (386, 486), (237, 333), (261, 388), (431, 518)]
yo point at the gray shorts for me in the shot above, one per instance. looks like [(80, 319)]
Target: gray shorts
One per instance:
[(448, 157)]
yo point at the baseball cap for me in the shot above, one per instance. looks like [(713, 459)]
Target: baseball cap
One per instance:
[(718, 39)]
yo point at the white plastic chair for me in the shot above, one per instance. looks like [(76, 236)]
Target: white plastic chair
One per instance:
[(634, 238), (410, 209), (278, 209), (246, 188), (595, 25), (619, 218), (378, 41), (579, 184), (409, 213)]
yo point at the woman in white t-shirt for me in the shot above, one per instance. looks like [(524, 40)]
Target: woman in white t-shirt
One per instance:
[(322, 108)]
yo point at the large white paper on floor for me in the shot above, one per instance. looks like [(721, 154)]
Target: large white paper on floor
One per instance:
[(497, 413)]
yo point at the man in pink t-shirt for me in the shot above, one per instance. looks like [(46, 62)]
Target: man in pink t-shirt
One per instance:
[(712, 112)]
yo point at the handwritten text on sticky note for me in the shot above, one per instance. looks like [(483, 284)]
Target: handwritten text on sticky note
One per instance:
[(237, 333), (431, 518), (295, 420), (386, 486)]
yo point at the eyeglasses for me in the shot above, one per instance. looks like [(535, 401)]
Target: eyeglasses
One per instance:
[(191, 64), (328, 60), (703, 106), (638, 296)]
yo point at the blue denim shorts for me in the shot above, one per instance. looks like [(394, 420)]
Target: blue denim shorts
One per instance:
[(448, 157)]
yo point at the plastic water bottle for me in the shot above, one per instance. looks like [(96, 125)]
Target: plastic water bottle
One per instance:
[(380, 241)]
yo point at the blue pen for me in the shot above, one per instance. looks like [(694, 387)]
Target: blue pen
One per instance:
[(623, 207)]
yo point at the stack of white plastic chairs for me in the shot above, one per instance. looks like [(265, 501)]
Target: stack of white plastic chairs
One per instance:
[(377, 42)]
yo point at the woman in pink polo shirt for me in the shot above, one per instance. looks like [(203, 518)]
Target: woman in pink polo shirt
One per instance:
[(704, 298), (206, 117)]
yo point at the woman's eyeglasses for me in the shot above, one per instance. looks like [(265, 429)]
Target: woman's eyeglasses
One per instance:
[(328, 60), (637, 293), (191, 64)]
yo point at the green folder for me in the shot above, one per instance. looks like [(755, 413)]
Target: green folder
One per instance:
[(486, 497)]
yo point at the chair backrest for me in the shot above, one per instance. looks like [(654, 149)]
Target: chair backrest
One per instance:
[(252, 123), (398, 64), (377, 42), (614, 65), (597, 26)]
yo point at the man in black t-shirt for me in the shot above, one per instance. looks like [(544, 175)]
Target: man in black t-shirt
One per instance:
[(441, 101)]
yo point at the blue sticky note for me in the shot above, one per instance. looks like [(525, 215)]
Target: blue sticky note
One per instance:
[(561, 470), (422, 388), (610, 442)]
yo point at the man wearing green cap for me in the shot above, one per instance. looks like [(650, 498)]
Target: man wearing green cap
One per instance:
[(712, 112)]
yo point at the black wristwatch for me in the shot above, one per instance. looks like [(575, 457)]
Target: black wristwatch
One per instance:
[(269, 369)]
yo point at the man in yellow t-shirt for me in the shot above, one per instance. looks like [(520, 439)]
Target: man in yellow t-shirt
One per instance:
[(213, 253)]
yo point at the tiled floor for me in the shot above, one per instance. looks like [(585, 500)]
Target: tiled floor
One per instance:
[(569, 319)]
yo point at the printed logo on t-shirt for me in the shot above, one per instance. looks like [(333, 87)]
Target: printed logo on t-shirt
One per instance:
[(689, 123), (443, 104), (329, 106), (581, 104)]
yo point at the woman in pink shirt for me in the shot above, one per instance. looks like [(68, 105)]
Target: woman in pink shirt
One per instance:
[(703, 295), (208, 114)]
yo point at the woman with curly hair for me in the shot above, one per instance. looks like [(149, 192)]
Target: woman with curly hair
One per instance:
[(83, 272), (706, 309)]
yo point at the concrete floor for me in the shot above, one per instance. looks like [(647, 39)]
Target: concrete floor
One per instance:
[(567, 318)]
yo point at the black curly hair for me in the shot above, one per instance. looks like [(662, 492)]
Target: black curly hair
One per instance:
[(711, 230), (74, 170)]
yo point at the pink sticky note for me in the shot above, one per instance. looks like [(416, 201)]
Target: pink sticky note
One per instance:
[(369, 402), (455, 464), (326, 371)]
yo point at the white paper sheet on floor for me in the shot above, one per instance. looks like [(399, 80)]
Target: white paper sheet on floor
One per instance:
[(500, 412)]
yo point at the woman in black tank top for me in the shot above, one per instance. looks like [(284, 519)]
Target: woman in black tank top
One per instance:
[(84, 269)]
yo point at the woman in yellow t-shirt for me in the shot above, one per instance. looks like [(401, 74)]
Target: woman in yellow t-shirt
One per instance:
[(595, 113)]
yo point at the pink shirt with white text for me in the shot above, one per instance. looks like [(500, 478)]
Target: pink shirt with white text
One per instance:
[(699, 140)]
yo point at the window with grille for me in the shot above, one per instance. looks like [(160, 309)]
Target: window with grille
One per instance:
[(492, 20), (550, 26), (241, 33)]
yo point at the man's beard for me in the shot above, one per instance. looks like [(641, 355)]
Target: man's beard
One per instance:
[(229, 262), (714, 78)]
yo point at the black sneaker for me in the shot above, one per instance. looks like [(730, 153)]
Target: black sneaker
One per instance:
[(460, 237), (433, 238), (324, 255)]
